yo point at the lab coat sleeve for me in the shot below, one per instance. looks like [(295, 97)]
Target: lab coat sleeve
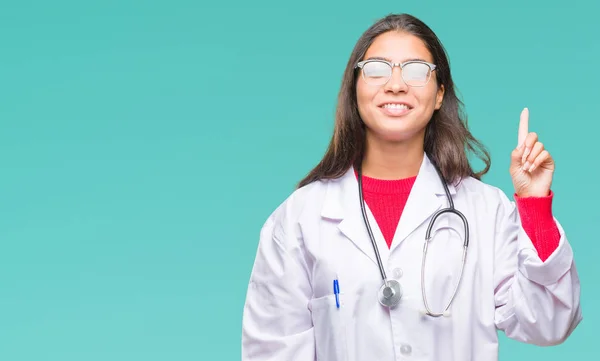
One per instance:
[(277, 324), (536, 302)]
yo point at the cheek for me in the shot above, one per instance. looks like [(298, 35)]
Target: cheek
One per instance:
[(428, 97), (361, 99), (364, 97)]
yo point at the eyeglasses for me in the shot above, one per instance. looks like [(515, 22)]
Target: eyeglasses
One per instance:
[(415, 73)]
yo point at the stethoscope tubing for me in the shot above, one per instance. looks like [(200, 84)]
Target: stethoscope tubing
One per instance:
[(390, 291)]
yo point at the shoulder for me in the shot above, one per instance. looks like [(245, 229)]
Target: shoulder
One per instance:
[(472, 185), (303, 202), (485, 195)]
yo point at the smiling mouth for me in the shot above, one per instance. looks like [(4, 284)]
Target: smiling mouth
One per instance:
[(395, 109), (395, 106)]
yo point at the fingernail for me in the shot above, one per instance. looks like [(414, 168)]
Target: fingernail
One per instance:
[(532, 168), (526, 166), (527, 151)]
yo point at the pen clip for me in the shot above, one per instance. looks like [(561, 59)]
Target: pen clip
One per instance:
[(336, 291)]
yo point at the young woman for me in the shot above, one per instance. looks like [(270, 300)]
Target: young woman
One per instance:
[(392, 248)]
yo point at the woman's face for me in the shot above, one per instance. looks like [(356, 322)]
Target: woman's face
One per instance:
[(414, 106)]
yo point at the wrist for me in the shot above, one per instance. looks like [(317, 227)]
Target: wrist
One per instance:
[(533, 197), (533, 194)]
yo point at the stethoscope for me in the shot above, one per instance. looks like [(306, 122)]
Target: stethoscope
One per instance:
[(390, 293)]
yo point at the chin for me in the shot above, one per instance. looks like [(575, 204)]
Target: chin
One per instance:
[(397, 132), (395, 129), (396, 135)]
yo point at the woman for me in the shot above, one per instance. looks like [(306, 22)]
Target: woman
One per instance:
[(399, 155)]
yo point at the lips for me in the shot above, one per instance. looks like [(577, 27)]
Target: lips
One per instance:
[(395, 109), (395, 103)]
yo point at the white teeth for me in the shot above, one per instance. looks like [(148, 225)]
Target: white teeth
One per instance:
[(395, 106)]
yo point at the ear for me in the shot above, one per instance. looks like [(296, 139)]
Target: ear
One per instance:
[(439, 97)]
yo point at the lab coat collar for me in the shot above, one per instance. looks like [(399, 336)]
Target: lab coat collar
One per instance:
[(342, 203)]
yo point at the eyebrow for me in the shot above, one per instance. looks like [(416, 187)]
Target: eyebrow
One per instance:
[(387, 59)]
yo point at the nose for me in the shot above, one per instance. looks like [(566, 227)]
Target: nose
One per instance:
[(396, 84)]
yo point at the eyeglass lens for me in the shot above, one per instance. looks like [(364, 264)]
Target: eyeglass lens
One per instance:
[(414, 74)]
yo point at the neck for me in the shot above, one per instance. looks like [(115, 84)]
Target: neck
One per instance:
[(392, 160)]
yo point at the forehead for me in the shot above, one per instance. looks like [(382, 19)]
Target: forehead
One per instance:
[(398, 47)]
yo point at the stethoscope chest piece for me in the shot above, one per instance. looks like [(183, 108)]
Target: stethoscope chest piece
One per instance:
[(390, 293)]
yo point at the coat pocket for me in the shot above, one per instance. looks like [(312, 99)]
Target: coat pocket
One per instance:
[(329, 324)]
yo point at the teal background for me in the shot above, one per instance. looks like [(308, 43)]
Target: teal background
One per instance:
[(143, 144)]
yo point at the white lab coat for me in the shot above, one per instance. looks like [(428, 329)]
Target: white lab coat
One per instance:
[(318, 235)]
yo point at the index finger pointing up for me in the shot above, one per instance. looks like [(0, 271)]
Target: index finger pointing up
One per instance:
[(523, 125)]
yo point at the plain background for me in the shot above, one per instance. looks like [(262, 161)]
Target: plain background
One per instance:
[(143, 144)]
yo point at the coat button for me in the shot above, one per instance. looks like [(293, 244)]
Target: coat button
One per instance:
[(405, 349), (397, 273)]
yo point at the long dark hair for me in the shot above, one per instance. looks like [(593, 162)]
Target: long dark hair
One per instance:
[(447, 137)]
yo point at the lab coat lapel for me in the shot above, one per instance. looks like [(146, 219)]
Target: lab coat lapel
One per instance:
[(342, 203), (426, 197)]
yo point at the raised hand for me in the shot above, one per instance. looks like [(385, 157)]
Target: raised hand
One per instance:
[(531, 166)]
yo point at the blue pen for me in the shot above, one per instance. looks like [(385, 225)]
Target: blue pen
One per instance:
[(336, 290)]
